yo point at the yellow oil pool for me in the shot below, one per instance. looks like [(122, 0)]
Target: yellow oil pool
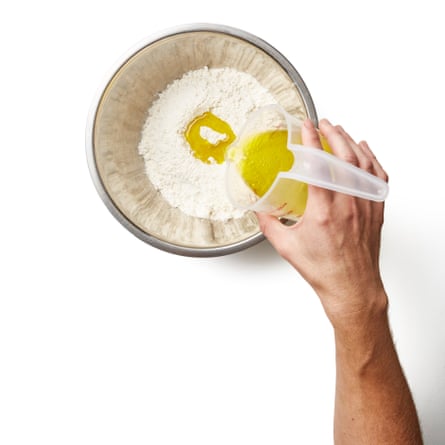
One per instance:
[(203, 149)]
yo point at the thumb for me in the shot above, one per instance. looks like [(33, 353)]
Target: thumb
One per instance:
[(273, 230)]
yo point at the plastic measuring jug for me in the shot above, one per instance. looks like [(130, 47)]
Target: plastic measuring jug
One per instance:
[(286, 196)]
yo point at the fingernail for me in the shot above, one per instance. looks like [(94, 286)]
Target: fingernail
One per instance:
[(324, 120)]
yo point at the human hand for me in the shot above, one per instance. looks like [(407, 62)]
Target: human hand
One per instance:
[(336, 244)]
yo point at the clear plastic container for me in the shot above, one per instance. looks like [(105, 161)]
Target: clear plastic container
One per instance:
[(286, 197)]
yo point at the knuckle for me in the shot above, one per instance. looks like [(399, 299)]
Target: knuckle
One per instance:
[(323, 216), (367, 164), (351, 158)]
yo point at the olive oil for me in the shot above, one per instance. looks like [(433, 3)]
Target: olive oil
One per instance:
[(261, 157), (203, 149), (264, 155)]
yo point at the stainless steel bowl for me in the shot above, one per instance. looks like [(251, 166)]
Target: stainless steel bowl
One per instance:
[(120, 110)]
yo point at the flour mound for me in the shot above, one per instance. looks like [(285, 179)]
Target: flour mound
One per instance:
[(196, 188)]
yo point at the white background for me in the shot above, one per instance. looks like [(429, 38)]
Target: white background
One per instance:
[(107, 340)]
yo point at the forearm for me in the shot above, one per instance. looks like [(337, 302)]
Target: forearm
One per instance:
[(335, 247), (373, 402)]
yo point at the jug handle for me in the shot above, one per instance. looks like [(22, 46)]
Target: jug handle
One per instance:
[(317, 167)]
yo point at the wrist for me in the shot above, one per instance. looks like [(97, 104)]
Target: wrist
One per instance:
[(356, 312), (364, 337)]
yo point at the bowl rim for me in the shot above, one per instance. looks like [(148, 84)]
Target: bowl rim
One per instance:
[(91, 120)]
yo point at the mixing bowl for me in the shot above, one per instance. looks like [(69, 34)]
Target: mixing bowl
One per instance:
[(119, 112)]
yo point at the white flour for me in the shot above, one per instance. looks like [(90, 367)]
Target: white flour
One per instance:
[(197, 188)]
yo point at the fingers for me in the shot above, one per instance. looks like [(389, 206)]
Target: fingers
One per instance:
[(311, 138), (310, 135), (347, 149), (378, 169), (341, 143)]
